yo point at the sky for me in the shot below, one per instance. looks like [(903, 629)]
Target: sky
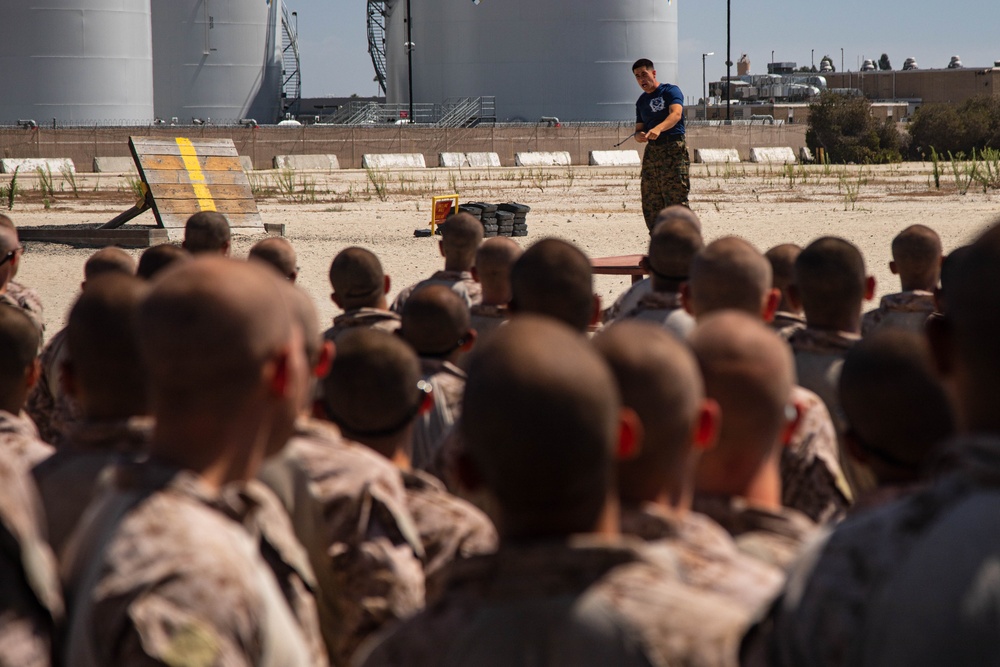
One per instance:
[(334, 48)]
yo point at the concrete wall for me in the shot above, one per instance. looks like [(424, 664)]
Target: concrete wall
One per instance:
[(952, 86), (349, 144)]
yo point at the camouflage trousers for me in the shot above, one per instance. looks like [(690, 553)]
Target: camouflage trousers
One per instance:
[(665, 178)]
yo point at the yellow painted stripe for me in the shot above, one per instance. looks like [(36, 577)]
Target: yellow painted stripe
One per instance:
[(190, 157)]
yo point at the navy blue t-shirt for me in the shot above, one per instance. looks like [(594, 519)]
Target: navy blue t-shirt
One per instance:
[(651, 109)]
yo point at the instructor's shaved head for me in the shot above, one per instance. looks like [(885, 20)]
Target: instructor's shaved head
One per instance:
[(435, 321), (729, 273), (357, 278), (540, 422), (207, 329), (749, 370), (554, 278), (658, 377), (207, 232), (830, 278), (372, 384), (103, 341)]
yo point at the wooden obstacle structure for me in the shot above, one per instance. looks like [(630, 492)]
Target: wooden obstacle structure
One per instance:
[(179, 177), (622, 265)]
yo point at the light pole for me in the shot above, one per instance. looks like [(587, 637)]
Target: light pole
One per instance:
[(770, 70), (729, 58), (812, 58), (841, 59), (704, 89), (409, 58)]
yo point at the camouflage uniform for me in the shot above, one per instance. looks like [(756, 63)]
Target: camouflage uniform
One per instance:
[(461, 282), (54, 411), (773, 536), (373, 318), (819, 356), (162, 570), (27, 299), (448, 383), (786, 323), (627, 300), (903, 310), (68, 480), (582, 602), (854, 591), (812, 480), (30, 601), (449, 527), (20, 442), (665, 177), (348, 509), (486, 320), (663, 308), (704, 555)]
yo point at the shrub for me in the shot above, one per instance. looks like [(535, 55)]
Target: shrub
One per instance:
[(844, 127), (975, 125)]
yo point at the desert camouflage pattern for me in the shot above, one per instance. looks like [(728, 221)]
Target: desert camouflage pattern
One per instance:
[(666, 179), (448, 384), (664, 309), (812, 479), (776, 537), (20, 441), (585, 601), (904, 310), (30, 600), (449, 527), (71, 478), (786, 323), (27, 299), (372, 318), (823, 616), (627, 300), (53, 411), (704, 555), (348, 509), (163, 571), (461, 282)]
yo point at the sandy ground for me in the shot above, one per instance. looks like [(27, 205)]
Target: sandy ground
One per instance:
[(596, 208)]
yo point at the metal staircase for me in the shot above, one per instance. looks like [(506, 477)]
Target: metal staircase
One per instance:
[(291, 78), (377, 10)]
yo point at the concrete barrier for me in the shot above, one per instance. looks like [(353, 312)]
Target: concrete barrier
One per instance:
[(779, 155), (459, 160), (716, 155), (320, 162), (246, 162), (115, 165), (543, 159), (615, 158), (28, 165), (393, 161), (806, 155)]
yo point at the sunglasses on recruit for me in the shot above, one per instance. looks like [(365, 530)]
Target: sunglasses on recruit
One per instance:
[(11, 255)]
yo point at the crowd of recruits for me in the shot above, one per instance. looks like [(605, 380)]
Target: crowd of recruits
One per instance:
[(725, 473)]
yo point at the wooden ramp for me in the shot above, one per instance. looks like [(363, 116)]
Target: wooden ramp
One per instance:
[(179, 177)]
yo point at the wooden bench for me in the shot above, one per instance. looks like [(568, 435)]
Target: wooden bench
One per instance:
[(621, 265)]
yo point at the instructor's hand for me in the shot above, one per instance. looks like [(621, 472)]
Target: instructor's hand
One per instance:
[(640, 137), (652, 134)]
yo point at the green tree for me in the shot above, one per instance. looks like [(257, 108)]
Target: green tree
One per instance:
[(844, 127), (974, 125), (828, 60), (883, 62)]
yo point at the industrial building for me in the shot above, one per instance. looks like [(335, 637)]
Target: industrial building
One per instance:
[(136, 62)]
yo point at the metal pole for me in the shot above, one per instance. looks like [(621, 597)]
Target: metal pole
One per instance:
[(841, 59), (771, 68), (729, 58), (812, 58), (409, 56), (704, 87)]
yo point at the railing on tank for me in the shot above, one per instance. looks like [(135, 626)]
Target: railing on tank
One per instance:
[(376, 39), (291, 83)]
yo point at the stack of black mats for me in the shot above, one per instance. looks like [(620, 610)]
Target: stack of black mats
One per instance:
[(508, 219)]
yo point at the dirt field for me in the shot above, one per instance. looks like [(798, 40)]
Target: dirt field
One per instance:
[(596, 208)]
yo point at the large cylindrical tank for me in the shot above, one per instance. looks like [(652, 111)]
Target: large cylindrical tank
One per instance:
[(564, 58), (218, 59), (76, 61)]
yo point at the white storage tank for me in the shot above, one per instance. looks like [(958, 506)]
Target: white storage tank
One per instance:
[(217, 59), (563, 58), (76, 61)]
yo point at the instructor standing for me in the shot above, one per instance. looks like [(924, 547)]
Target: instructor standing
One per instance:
[(659, 123)]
